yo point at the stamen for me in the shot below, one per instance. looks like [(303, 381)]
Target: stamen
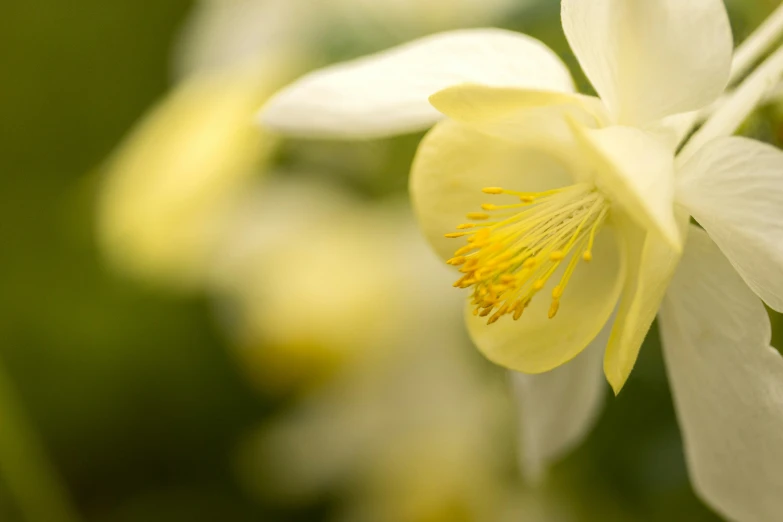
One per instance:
[(509, 260)]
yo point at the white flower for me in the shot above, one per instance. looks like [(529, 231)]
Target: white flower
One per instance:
[(592, 208)]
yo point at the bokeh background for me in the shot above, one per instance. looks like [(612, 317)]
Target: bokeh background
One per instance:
[(199, 322)]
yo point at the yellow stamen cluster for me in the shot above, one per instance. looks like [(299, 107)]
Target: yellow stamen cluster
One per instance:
[(514, 249)]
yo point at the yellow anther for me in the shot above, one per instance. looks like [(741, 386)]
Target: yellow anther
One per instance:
[(464, 250), (492, 190), (587, 256), (481, 236), (454, 235), (554, 308), (509, 260)]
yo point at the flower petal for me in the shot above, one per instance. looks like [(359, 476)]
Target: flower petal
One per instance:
[(454, 162), (480, 103), (727, 384), (651, 265), (170, 183), (387, 93), (637, 172), (734, 188), (536, 344), (557, 409), (651, 59)]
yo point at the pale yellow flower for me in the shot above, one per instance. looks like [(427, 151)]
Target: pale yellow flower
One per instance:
[(169, 183), (586, 236), (314, 278)]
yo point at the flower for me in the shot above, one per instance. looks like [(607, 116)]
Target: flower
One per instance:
[(588, 235), (309, 292)]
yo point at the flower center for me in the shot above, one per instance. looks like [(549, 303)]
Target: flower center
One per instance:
[(515, 249)]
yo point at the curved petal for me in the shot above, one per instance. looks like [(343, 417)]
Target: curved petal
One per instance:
[(454, 162), (387, 93), (734, 188), (727, 384), (557, 409), (651, 265), (537, 344), (170, 182), (475, 104), (637, 172), (651, 59)]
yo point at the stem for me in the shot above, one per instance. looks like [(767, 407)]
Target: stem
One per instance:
[(24, 467), (738, 105), (757, 44)]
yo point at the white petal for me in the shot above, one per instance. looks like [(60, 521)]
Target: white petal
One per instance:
[(387, 93), (651, 59), (636, 170), (734, 188), (727, 384), (557, 409)]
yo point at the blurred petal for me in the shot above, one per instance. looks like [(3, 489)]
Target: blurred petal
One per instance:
[(169, 183), (557, 409), (387, 93), (222, 34), (727, 384), (734, 188), (651, 59), (651, 265), (637, 172)]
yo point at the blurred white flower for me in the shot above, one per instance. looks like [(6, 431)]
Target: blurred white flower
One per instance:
[(583, 179), (311, 278)]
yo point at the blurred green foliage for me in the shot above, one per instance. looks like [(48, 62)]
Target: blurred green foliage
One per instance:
[(133, 392)]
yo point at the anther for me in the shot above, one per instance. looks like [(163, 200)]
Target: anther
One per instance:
[(478, 216), (554, 308), (457, 261), (465, 226), (492, 190), (489, 206), (587, 256), (557, 255), (454, 235)]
